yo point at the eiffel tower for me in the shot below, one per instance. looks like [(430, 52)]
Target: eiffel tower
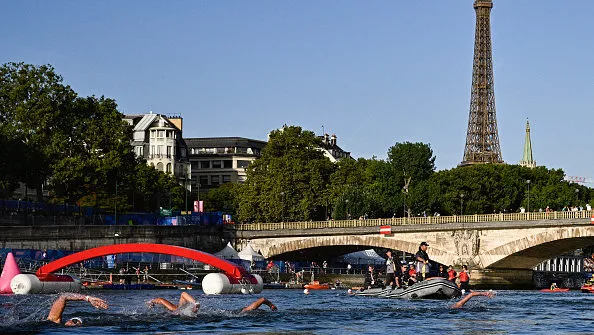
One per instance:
[(482, 139)]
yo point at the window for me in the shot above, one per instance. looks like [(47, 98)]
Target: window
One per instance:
[(241, 179), (169, 151), (214, 180), (168, 168), (160, 166), (241, 164), (227, 164), (161, 133), (216, 164), (203, 180), (139, 150), (226, 179), (204, 164)]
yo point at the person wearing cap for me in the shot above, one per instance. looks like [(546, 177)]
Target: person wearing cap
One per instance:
[(186, 299), (55, 313), (423, 265), (392, 275)]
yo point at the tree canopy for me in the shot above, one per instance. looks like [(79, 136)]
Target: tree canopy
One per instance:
[(78, 148)]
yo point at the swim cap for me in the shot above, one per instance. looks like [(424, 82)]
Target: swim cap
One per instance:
[(77, 321)]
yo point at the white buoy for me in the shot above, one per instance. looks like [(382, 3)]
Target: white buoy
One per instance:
[(30, 284), (219, 283)]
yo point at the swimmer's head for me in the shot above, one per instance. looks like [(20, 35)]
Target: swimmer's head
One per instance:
[(196, 307), (74, 322)]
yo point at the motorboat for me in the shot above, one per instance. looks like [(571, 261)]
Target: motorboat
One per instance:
[(587, 288), (430, 288)]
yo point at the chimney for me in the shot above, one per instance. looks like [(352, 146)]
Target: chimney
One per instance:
[(333, 139), (326, 138)]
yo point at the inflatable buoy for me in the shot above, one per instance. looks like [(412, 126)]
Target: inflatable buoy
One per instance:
[(10, 270), (219, 283), (30, 284)]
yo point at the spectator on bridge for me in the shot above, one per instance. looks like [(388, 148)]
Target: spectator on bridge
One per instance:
[(187, 300), (55, 313)]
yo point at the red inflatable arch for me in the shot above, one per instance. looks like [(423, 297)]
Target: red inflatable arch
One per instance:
[(228, 267)]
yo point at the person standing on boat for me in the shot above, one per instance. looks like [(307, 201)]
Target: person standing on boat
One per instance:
[(452, 274), (392, 275), (442, 272), (423, 265), (464, 277)]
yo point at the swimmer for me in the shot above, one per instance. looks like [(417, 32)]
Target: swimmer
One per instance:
[(55, 313), (459, 304), (185, 299)]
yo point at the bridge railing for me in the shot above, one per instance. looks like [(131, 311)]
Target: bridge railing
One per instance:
[(501, 217)]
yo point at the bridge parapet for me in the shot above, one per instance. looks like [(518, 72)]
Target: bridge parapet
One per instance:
[(475, 218)]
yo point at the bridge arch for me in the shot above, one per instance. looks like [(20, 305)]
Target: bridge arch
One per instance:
[(527, 252), (228, 267)]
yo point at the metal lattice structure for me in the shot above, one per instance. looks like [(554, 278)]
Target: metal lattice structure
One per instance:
[(482, 139)]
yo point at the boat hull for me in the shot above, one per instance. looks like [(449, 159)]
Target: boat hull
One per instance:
[(435, 288), (555, 290)]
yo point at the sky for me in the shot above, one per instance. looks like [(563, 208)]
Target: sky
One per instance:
[(374, 73)]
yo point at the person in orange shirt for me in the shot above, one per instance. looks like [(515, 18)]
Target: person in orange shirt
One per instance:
[(464, 277), (452, 274)]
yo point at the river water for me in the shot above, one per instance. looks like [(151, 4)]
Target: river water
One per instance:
[(320, 312)]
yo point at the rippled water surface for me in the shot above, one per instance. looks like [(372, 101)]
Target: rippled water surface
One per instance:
[(320, 312)]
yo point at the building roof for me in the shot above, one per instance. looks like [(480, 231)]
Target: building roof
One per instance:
[(145, 122), (227, 142)]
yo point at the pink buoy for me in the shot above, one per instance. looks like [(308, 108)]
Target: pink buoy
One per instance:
[(10, 270)]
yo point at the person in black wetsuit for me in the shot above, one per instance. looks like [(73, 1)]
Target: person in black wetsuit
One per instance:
[(55, 313), (186, 299), (371, 279)]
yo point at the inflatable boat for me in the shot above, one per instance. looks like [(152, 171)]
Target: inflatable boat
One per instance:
[(431, 288)]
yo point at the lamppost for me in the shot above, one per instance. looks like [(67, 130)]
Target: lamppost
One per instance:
[(461, 203), (528, 203), (115, 205), (577, 192), (346, 205), (283, 206)]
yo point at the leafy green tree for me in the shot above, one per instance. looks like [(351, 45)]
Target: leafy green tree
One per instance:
[(288, 181), (35, 109)]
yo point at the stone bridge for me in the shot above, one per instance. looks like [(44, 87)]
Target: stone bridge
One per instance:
[(500, 252)]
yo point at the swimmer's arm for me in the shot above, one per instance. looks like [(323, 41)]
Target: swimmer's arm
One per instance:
[(55, 313), (163, 302), (256, 304), (469, 296)]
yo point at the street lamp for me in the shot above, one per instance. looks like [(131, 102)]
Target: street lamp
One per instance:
[(528, 206), (115, 205), (283, 206), (346, 205), (577, 192), (461, 203)]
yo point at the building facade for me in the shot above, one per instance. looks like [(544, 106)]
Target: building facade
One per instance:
[(219, 160), (158, 139)]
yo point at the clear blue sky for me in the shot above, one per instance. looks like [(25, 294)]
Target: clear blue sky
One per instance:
[(372, 72)]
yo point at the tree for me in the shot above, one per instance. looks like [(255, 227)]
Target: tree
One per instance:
[(288, 182), (35, 109)]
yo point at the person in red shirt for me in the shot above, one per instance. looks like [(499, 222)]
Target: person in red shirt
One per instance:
[(452, 274), (464, 277)]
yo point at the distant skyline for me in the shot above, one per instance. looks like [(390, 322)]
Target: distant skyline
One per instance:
[(373, 73)]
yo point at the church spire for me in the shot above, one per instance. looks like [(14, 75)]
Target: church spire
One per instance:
[(527, 159)]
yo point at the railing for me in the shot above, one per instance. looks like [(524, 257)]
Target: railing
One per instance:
[(501, 217)]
